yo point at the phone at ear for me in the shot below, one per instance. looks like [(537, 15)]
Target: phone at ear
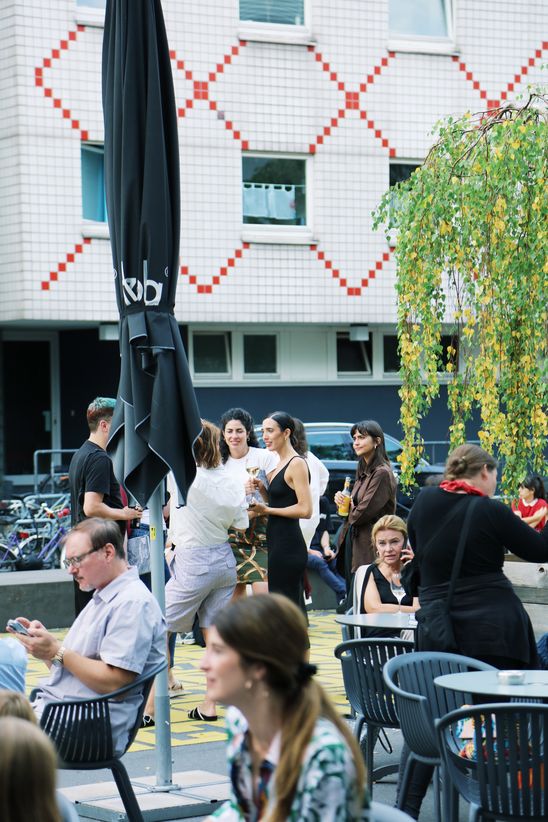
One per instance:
[(17, 627)]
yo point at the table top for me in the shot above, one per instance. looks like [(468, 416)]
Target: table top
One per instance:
[(397, 621), (487, 683)]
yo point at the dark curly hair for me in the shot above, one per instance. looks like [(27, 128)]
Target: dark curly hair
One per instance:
[(246, 419)]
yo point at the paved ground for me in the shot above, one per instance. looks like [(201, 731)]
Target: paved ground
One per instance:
[(197, 745)]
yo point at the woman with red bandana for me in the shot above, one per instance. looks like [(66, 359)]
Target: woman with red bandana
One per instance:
[(488, 618)]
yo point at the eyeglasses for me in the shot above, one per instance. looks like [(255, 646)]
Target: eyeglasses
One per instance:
[(77, 561)]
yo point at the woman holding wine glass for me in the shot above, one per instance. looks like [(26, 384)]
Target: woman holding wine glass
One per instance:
[(243, 459)]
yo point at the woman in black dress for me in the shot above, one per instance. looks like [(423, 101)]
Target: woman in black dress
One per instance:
[(289, 500)]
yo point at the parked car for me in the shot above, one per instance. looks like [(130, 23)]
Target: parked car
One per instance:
[(332, 444)]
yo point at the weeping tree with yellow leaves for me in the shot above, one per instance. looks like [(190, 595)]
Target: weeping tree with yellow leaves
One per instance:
[(471, 249)]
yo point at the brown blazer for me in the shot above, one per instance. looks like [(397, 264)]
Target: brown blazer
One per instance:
[(373, 496)]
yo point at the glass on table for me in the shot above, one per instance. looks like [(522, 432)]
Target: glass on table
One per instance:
[(397, 588)]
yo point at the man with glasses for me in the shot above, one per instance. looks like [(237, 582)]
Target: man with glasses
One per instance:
[(119, 635), (94, 490)]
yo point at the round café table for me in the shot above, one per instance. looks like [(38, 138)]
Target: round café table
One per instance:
[(486, 684), (395, 621)]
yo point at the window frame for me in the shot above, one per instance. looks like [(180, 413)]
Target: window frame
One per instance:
[(280, 234), (425, 44), (260, 375), (97, 229), (229, 352), (354, 375), (89, 15), (284, 33)]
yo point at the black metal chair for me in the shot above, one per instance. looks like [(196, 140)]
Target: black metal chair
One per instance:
[(504, 776), (81, 732), (362, 662), (418, 703)]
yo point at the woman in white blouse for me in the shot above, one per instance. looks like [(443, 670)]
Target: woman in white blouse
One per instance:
[(204, 567), (242, 459)]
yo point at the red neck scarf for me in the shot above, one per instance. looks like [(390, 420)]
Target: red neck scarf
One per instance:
[(461, 485)]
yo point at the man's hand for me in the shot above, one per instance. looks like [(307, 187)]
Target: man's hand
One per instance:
[(328, 553), (40, 643), (316, 553)]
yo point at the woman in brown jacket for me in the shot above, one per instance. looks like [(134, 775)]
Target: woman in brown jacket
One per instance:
[(373, 494)]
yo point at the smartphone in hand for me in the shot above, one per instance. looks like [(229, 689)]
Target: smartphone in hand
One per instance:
[(17, 627)]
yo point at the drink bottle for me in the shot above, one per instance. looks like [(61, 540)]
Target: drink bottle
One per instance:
[(344, 508)]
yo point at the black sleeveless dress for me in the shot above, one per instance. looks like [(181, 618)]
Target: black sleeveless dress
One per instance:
[(287, 554)]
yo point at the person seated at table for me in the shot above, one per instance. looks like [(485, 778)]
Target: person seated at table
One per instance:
[(118, 636), (389, 540), (290, 755), (532, 506)]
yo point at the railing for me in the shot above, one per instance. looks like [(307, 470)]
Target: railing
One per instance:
[(54, 475)]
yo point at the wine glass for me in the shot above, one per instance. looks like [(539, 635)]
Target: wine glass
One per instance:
[(253, 471), (397, 588)]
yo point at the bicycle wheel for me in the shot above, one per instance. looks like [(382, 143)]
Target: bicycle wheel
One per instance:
[(30, 550), (8, 558)]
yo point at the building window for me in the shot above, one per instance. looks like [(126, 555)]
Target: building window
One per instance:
[(420, 18), (353, 357), (288, 12), (94, 4), (211, 352), (94, 205), (274, 191), (260, 354), (391, 357), (399, 173)]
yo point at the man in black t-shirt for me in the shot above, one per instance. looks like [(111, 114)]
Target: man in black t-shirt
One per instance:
[(94, 490)]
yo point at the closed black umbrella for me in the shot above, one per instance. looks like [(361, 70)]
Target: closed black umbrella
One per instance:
[(156, 418)]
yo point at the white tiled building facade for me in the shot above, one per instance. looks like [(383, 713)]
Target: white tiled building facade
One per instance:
[(341, 88)]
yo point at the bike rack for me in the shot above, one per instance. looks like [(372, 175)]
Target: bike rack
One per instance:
[(53, 474)]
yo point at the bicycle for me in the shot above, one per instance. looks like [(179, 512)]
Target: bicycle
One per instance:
[(42, 550)]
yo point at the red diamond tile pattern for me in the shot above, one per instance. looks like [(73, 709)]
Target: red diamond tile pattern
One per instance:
[(216, 279), (351, 101), (202, 91), (351, 291), (510, 87), (39, 80), (201, 94), (61, 267)]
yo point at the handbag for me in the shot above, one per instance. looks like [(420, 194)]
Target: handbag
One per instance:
[(138, 553), (435, 627)]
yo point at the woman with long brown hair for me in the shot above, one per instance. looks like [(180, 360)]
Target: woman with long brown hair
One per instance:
[(373, 495), (290, 755), (28, 766)]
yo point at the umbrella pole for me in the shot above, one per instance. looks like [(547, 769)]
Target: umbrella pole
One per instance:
[(161, 697)]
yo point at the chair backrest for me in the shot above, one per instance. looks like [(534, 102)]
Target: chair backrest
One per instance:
[(418, 701), (80, 728), (357, 594), (368, 694), (499, 759)]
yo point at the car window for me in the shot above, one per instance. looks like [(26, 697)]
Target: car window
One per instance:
[(393, 447), (331, 445)]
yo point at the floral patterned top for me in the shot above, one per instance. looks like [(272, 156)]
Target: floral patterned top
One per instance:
[(326, 789)]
